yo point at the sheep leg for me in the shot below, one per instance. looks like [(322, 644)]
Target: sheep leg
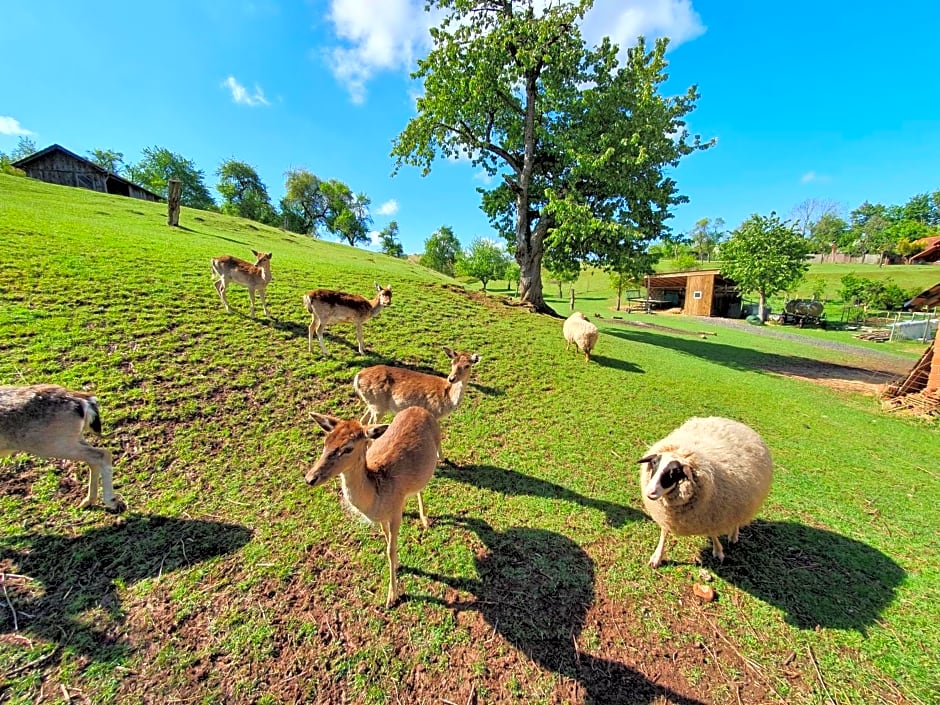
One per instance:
[(717, 551), (657, 558)]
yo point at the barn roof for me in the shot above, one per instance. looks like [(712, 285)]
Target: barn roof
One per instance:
[(36, 156), (925, 299), (678, 280), (930, 253)]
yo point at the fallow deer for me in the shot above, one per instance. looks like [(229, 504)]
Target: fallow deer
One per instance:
[(327, 307), (47, 420), (255, 276), (380, 467), (391, 389)]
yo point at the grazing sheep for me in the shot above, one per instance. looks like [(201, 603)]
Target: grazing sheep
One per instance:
[(581, 332), (48, 421), (708, 477)]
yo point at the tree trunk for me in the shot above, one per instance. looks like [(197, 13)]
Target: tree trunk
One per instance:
[(174, 192), (762, 306)]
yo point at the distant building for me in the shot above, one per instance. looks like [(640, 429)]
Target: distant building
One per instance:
[(703, 292), (930, 253), (57, 165)]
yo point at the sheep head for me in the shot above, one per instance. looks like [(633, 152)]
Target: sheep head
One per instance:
[(666, 472)]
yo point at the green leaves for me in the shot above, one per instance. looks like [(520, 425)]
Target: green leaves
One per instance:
[(159, 165)]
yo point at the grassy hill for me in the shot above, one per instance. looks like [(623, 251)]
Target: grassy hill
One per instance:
[(229, 580)]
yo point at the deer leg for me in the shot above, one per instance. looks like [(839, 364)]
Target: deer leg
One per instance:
[(734, 535), (321, 326), (220, 287), (392, 553), (100, 463), (656, 559), (362, 347), (424, 517), (251, 296), (264, 302)]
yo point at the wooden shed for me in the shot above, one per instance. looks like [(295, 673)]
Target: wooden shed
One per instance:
[(57, 165), (702, 292)]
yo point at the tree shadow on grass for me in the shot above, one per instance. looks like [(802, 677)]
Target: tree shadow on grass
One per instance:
[(68, 577), (535, 588), (739, 358), (512, 482), (817, 577)]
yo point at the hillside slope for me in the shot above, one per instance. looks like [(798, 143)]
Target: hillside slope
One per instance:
[(229, 579)]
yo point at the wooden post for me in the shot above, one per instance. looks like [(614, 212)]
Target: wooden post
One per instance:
[(571, 300), (174, 190)]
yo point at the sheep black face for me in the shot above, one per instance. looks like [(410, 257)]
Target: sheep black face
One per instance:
[(665, 479)]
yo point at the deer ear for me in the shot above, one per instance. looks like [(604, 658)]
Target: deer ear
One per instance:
[(474, 359), (374, 432), (450, 353), (327, 423), (256, 253), (377, 287)]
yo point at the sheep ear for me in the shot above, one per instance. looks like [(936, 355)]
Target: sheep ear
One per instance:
[(652, 459)]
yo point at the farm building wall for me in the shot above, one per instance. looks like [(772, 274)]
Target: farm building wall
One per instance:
[(56, 165), (698, 295), (933, 381)]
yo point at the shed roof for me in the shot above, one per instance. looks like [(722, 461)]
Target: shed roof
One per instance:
[(928, 298), (678, 280), (36, 156)]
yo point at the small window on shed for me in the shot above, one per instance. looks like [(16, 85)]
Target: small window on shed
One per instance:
[(696, 294)]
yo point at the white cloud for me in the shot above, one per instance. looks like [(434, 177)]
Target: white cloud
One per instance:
[(389, 35), (376, 237), (376, 36), (811, 177), (483, 176), (676, 19), (11, 126), (390, 207), (241, 95)]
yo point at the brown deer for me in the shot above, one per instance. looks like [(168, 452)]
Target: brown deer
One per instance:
[(391, 389), (255, 276), (327, 307), (380, 467), (47, 420)]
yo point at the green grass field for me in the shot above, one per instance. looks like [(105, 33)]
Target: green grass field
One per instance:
[(229, 580)]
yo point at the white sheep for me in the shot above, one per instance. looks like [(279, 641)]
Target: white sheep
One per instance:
[(581, 332), (707, 478)]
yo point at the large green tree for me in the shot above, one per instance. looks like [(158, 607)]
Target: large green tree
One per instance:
[(765, 255), (389, 242), (485, 260), (441, 251), (581, 145), (706, 236), (109, 159), (243, 192), (311, 204), (158, 165)]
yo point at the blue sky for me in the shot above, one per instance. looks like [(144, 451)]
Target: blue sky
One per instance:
[(807, 100)]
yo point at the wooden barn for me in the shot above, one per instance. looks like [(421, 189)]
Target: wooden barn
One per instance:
[(925, 300), (701, 292), (57, 165)]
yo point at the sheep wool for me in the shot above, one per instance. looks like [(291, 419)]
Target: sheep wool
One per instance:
[(580, 331), (709, 477)]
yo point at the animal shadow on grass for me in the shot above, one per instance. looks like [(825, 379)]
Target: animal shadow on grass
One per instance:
[(535, 588), (72, 575), (815, 576), (617, 364), (753, 360), (512, 482)]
